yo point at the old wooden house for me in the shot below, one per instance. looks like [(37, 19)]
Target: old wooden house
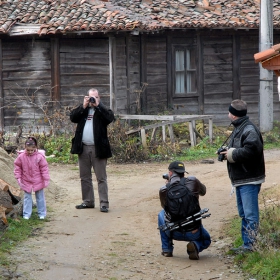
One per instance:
[(144, 56)]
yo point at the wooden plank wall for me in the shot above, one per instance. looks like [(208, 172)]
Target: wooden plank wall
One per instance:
[(121, 75), (249, 74), (218, 78), (84, 64), (127, 73), (156, 74), (26, 80), (133, 70)]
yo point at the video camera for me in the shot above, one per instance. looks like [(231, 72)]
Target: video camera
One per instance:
[(165, 176), (191, 219)]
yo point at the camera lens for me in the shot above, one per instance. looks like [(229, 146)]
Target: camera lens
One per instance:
[(92, 99)]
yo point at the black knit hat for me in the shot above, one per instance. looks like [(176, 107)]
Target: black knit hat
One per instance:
[(237, 113), (177, 166)]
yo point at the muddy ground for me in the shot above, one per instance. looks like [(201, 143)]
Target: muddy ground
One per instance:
[(125, 243)]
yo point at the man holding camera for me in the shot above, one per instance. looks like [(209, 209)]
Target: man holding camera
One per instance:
[(194, 232), (92, 145), (246, 169)]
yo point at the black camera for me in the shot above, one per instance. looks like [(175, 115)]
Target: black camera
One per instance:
[(92, 99), (165, 176), (221, 157)]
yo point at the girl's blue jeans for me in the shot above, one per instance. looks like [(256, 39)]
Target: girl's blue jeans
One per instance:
[(201, 238), (248, 210), (28, 203)]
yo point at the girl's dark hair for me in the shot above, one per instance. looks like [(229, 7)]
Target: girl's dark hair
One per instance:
[(31, 141)]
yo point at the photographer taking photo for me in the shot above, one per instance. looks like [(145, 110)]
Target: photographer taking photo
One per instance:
[(194, 232), (246, 170), (92, 145)]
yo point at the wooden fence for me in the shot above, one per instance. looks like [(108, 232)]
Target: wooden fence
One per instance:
[(168, 121)]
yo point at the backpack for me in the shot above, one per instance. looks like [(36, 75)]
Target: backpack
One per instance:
[(180, 201)]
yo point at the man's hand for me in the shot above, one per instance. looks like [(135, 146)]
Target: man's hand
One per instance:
[(86, 101), (224, 153)]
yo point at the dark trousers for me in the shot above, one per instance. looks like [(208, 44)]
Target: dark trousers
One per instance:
[(87, 161)]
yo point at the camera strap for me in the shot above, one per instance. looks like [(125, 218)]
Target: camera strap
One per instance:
[(227, 137)]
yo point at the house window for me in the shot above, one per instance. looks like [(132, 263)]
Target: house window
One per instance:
[(185, 71)]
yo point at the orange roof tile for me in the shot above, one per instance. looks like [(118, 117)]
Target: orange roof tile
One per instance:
[(94, 15)]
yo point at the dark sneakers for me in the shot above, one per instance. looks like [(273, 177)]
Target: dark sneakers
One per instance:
[(192, 251), (104, 209), (167, 254), (84, 206)]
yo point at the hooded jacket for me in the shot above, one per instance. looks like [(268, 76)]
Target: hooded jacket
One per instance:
[(31, 171), (101, 119), (245, 158)]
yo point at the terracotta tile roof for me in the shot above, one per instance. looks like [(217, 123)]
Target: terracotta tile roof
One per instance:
[(267, 54), (59, 16)]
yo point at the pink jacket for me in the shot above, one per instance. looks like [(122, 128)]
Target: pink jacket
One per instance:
[(31, 171)]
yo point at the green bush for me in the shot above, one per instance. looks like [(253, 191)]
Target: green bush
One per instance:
[(58, 148)]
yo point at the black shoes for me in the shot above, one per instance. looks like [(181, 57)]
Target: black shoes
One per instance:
[(192, 251), (167, 254), (104, 209), (84, 206)]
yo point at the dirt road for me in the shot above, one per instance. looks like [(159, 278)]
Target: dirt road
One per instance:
[(125, 243)]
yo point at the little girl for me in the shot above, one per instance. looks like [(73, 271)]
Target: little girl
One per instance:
[(32, 173)]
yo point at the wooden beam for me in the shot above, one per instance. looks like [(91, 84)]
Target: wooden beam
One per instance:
[(163, 133), (169, 71), (210, 128), (154, 133), (128, 85), (191, 134), (55, 70), (171, 134), (164, 118), (2, 120), (200, 73), (193, 131), (145, 117), (112, 66), (143, 72), (143, 138), (236, 67)]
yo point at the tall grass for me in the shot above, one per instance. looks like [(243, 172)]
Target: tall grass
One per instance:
[(264, 262)]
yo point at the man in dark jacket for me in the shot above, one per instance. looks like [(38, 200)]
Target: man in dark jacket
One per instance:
[(195, 232), (92, 145), (246, 169)]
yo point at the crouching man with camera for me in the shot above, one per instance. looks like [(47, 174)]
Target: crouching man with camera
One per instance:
[(246, 170), (92, 145), (181, 218)]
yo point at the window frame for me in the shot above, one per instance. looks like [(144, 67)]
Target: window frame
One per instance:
[(193, 51)]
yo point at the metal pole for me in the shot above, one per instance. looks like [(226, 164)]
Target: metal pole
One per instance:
[(266, 76)]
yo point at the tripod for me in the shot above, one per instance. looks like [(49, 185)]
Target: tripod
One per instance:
[(191, 219)]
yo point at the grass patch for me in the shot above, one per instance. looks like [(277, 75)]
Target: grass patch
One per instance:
[(17, 231), (264, 262)]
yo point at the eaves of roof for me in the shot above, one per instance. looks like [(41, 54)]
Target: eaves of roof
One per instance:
[(18, 17)]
